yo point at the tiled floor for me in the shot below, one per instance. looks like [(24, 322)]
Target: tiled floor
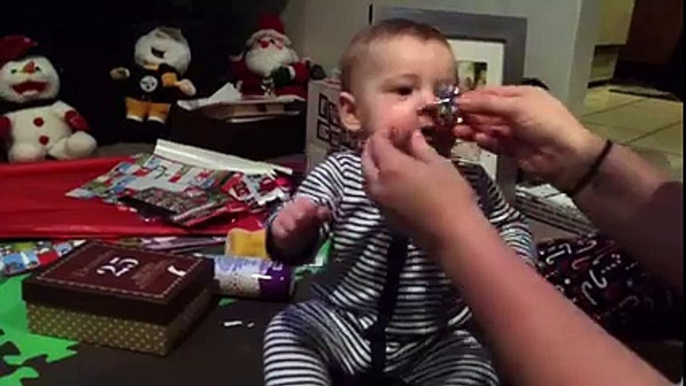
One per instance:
[(653, 127)]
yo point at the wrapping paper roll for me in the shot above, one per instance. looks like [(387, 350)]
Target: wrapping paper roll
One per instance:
[(253, 278)]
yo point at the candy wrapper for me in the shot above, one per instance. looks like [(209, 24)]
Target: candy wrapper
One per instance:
[(256, 191), (191, 208), (253, 278), (19, 258)]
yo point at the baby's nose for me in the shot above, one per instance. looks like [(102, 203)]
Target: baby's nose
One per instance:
[(428, 97)]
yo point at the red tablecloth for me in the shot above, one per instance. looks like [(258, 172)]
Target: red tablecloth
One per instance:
[(33, 205)]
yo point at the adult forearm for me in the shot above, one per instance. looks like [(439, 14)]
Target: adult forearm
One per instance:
[(637, 205), (539, 338)]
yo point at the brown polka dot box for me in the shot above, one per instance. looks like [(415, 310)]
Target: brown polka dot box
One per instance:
[(120, 297)]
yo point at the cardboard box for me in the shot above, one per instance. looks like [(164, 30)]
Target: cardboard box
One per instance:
[(550, 206), (325, 134), (120, 297), (253, 139)]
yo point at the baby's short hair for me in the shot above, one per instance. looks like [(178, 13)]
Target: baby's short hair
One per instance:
[(384, 30)]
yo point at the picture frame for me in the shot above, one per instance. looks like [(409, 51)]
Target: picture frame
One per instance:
[(490, 51), (336, 140), (324, 110), (334, 115), (324, 131)]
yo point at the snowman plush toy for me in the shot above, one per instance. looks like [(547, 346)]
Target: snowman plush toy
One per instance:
[(34, 124)]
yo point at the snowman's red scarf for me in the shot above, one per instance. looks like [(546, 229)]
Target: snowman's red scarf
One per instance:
[(10, 107)]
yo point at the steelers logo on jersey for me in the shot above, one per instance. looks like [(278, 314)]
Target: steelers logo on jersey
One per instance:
[(149, 84)]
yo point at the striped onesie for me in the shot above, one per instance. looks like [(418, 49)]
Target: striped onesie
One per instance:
[(426, 342)]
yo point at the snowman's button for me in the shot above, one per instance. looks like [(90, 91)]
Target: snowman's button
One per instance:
[(44, 140), (39, 122)]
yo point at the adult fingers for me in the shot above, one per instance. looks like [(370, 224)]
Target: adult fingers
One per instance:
[(488, 143), (464, 132), (384, 151), (420, 149), (489, 104), (370, 169), (476, 119), (503, 91)]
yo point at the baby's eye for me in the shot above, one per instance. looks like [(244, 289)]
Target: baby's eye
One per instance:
[(404, 91)]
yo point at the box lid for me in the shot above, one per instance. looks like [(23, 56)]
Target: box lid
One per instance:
[(121, 282)]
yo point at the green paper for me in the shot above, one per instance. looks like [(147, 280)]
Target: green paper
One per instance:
[(15, 379), (225, 302), (15, 325), (320, 262)]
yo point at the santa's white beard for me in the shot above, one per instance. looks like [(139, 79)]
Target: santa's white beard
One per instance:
[(265, 61)]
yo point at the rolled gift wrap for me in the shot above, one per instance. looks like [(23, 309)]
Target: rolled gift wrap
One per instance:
[(253, 278)]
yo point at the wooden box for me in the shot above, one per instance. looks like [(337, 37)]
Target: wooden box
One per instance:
[(120, 297)]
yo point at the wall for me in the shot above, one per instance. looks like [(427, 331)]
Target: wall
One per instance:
[(615, 22), (320, 29), (562, 33)]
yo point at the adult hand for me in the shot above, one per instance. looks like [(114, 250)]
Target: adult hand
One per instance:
[(420, 192), (530, 125)]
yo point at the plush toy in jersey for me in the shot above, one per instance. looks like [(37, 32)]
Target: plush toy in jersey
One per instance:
[(269, 66), (34, 124), (155, 81)]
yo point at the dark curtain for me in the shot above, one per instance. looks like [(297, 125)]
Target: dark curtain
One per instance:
[(86, 39)]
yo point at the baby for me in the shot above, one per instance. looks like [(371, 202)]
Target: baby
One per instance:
[(384, 313)]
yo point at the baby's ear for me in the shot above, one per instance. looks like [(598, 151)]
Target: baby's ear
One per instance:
[(347, 108)]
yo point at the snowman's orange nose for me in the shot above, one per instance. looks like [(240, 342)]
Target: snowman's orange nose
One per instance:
[(29, 68)]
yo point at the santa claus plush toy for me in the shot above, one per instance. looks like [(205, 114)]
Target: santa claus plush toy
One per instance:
[(33, 122), (270, 66)]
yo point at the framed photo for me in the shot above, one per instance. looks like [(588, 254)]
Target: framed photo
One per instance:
[(324, 131), (334, 116), (324, 109), (489, 51), (336, 140)]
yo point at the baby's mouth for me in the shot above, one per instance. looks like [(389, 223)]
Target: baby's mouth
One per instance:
[(428, 133), (439, 139)]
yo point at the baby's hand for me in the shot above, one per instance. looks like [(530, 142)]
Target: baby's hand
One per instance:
[(297, 225)]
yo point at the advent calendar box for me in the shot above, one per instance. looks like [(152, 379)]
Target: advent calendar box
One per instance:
[(120, 297)]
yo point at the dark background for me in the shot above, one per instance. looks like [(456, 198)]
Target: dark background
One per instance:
[(86, 39)]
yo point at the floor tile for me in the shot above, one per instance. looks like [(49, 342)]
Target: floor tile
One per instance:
[(601, 98), (617, 134), (676, 166), (646, 116), (656, 158), (670, 140)]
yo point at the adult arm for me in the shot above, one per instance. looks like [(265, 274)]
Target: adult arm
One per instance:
[(539, 338), (628, 198)]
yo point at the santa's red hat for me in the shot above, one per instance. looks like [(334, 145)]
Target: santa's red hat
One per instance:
[(15, 47), (269, 26)]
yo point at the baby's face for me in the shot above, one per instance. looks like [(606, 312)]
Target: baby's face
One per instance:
[(397, 79)]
